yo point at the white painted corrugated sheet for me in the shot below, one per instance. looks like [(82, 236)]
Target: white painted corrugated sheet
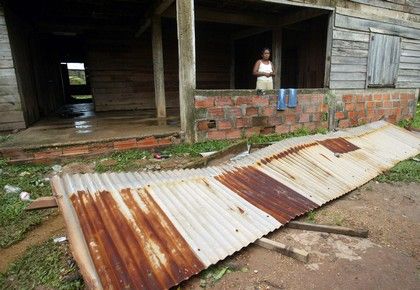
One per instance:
[(155, 229)]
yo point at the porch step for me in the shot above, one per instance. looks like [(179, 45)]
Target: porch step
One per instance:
[(46, 154)]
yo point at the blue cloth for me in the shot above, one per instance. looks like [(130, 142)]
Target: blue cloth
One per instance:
[(281, 100), (292, 98)]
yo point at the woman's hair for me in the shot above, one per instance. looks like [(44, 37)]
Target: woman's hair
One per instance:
[(264, 49)]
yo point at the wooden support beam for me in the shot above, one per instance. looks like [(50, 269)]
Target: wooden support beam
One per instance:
[(277, 45), (328, 50), (158, 71), (187, 68), (162, 6), (248, 32), (329, 229), (232, 64), (155, 10), (230, 17), (300, 16), (42, 203), (289, 251)]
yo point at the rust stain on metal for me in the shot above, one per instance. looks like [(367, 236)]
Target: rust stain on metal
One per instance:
[(145, 252), (338, 145), (266, 193), (292, 150), (154, 230)]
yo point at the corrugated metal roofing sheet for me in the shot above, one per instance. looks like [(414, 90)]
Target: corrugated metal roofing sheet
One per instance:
[(152, 230)]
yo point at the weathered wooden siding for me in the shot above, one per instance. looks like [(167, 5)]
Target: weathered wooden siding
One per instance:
[(409, 68), (20, 41), (121, 69), (11, 114), (350, 48)]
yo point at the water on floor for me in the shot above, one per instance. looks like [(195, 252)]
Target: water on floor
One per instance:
[(78, 124)]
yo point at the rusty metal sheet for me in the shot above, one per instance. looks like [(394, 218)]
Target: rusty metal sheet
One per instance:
[(266, 193), (339, 145), (152, 230)]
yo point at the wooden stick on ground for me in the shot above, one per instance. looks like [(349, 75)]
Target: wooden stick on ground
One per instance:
[(329, 229), (43, 203), (289, 251)]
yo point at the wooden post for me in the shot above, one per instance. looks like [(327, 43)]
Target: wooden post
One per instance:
[(158, 71), (186, 56), (328, 50), (329, 229), (277, 44), (292, 252), (232, 64)]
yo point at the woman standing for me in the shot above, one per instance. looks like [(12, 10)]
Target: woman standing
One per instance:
[(264, 71)]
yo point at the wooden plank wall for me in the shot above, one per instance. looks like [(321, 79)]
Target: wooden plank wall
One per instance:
[(11, 115), (409, 69), (20, 42), (350, 48), (121, 69)]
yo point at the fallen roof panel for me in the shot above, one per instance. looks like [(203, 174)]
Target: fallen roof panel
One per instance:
[(152, 230)]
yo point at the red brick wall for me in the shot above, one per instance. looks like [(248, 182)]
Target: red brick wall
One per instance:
[(232, 114), (363, 107), (236, 114)]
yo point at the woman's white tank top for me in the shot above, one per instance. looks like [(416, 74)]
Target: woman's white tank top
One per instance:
[(266, 68)]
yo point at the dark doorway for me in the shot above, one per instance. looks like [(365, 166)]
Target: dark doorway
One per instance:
[(303, 53), (247, 52), (74, 70), (76, 82)]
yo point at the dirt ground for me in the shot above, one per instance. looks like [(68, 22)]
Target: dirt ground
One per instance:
[(388, 259), (52, 227)]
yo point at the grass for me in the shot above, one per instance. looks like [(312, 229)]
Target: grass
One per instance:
[(214, 273), (127, 160), (45, 266), (405, 171), (14, 221), (195, 149), (121, 161), (4, 138), (310, 216), (412, 123), (262, 139)]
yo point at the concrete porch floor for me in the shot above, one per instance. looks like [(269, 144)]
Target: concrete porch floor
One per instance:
[(79, 124)]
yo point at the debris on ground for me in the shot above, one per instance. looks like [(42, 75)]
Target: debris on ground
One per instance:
[(57, 168), (25, 196), (11, 189), (207, 154), (60, 239)]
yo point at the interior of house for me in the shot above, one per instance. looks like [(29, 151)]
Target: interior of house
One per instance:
[(85, 68)]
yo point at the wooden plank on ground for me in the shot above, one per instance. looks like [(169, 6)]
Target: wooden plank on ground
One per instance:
[(362, 233), (289, 251), (43, 203)]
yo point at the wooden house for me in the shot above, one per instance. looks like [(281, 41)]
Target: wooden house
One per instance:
[(174, 56)]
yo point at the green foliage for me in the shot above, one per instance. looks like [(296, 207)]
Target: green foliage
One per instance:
[(121, 161), (412, 123), (262, 139), (4, 138), (310, 216), (14, 221), (325, 116), (216, 272), (416, 120), (405, 171), (45, 266), (196, 148)]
